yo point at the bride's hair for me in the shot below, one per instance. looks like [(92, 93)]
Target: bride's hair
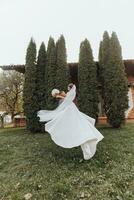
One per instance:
[(54, 92)]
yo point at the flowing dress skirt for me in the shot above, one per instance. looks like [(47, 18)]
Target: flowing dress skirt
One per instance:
[(68, 127)]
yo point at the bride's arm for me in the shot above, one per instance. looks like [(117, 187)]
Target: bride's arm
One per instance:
[(59, 96)]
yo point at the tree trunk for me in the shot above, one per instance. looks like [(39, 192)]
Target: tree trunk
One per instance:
[(1, 121)]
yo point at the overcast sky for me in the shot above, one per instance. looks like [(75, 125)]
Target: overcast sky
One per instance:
[(75, 19)]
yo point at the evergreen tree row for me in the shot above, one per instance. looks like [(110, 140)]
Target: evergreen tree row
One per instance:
[(50, 71), (41, 76)]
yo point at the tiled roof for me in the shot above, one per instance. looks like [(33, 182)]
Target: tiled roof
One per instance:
[(129, 68)]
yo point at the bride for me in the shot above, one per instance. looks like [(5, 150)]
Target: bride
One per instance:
[(68, 126)]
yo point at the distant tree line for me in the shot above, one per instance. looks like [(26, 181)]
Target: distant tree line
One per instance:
[(49, 70), (11, 89)]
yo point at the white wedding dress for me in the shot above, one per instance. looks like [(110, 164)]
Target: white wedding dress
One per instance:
[(69, 127)]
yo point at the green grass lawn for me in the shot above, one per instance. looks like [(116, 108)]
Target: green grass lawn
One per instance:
[(32, 163)]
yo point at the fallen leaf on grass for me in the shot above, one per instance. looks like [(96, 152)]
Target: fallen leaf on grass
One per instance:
[(27, 196)]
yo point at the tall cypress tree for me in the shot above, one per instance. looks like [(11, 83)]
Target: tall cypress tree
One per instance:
[(104, 51), (87, 76), (40, 81), (51, 73), (62, 75), (41, 75), (100, 57), (29, 93), (113, 79), (115, 84)]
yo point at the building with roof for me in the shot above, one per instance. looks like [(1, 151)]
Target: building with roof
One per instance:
[(73, 69)]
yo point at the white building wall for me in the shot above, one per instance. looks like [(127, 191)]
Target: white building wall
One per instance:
[(130, 102)]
